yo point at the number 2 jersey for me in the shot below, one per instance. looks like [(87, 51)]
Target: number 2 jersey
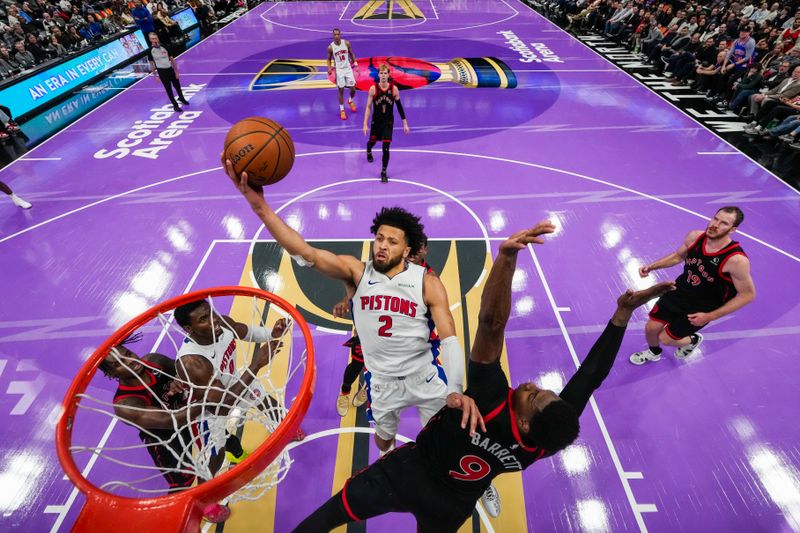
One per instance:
[(393, 322), (467, 464)]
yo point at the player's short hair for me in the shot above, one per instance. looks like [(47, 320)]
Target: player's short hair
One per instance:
[(555, 427), (735, 211), (385, 67), (337, 29), (182, 312), (399, 218)]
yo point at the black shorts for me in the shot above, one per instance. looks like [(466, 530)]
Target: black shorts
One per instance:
[(400, 483), (674, 317), (381, 131), (165, 457)]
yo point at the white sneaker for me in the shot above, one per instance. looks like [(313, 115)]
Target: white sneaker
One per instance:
[(640, 358), (343, 404), (19, 202), (491, 501), (685, 351)]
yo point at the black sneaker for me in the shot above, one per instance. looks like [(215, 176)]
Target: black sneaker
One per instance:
[(370, 159), (184, 102), (176, 108), (384, 177)]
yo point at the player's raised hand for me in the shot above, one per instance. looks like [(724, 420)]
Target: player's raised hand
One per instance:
[(522, 238), (254, 195), (342, 309), (644, 271), (470, 413)]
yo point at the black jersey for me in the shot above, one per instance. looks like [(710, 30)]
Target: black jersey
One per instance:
[(383, 104), (703, 283), (468, 464), (154, 394)]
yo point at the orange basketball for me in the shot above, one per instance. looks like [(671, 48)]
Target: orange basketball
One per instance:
[(262, 148)]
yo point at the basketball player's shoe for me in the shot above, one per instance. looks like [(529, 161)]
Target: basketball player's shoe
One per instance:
[(216, 513), (361, 396), (370, 159), (640, 358), (341, 114), (384, 176), (19, 202), (343, 404), (236, 459), (352, 106), (491, 501), (685, 351)]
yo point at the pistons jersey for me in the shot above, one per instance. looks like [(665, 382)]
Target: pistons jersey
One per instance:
[(220, 354), (467, 464), (341, 57), (393, 321), (703, 281)]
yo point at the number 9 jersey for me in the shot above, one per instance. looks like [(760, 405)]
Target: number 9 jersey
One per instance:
[(393, 322)]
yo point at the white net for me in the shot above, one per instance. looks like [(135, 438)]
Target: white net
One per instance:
[(223, 384)]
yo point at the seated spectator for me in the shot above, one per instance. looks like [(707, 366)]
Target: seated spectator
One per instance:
[(76, 19), (788, 131), (788, 38), (747, 85), (73, 40), (91, 31), (683, 56), (55, 48), (777, 103), (617, 20), (33, 46), (706, 76), (167, 29), (671, 44), (8, 65), (703, 56), (23, 58)]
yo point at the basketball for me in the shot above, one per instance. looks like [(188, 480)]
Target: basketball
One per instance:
[(262, 148)]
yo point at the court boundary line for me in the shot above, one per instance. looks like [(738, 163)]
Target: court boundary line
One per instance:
[(621, 472), (642, 84)]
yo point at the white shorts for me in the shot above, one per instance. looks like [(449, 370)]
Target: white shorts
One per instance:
[(345, 78), (388, 396)]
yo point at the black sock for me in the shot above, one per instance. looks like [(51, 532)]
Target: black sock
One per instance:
[(385, 160), (655, 350), (346, 389), (234, 445)]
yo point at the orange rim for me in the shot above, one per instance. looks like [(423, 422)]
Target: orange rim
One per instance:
[(228, 482)]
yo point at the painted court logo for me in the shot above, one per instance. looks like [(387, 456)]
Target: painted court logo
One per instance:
[(147, 138)]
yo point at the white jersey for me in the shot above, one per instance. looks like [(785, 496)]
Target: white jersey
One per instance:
[(393, 322), (341, 58), (221, 355)]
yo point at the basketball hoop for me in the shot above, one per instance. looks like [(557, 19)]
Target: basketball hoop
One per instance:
[(182, 511)]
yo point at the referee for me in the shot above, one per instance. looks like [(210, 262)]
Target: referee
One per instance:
[(163, 62)]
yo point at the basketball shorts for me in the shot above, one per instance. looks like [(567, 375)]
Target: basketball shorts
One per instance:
[(388, 396), (381, 130), (173, 456), (399, 482), (674, 316), (345, 78)]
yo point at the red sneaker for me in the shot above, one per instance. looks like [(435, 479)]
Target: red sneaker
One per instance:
[(341, 114), (216, 513), (352, 106)]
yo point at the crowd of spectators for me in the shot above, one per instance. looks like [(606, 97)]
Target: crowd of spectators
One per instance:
[(34, 32), (744, 56)]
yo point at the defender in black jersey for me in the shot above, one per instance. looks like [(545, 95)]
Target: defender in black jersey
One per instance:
[(382, 98), (441, 476), (715, 282)]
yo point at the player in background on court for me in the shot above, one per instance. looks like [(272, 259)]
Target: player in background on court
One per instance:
[(151, 399), (392, 306), (340, 52), (382, 98), (715, 282), (439, 477)]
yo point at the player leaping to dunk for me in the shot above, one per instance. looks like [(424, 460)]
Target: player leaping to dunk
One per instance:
[(340, 52), (440, 477)]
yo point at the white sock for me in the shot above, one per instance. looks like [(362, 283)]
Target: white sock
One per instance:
[(341, 107), (349, 100)]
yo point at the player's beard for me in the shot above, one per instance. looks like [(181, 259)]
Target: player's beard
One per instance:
[(388, 265), (719, 234)]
